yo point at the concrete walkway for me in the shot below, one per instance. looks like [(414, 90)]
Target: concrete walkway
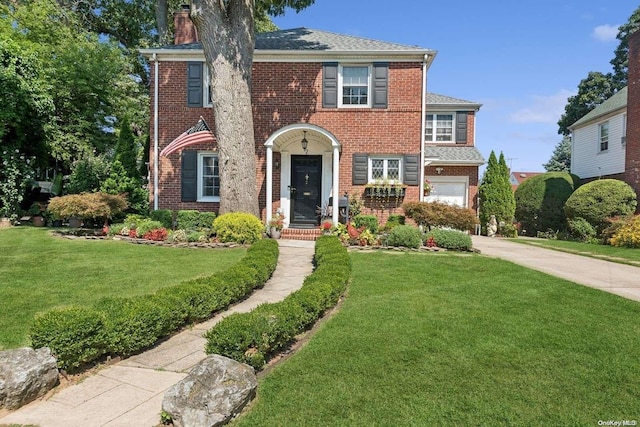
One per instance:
[(129, 393), (619, 279)]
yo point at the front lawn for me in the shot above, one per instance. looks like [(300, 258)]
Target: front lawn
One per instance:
[(39, 272), (424, 339), (609, 253)]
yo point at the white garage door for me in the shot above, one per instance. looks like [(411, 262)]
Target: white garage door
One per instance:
[(451, 193)]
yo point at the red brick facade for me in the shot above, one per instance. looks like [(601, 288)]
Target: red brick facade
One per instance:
[(286, 93), (632, 154)]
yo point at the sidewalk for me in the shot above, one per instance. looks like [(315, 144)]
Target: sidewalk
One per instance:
[(619, 279), (129, 393)]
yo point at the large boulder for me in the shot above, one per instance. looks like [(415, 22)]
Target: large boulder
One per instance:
[(215, 391), (25, 375)]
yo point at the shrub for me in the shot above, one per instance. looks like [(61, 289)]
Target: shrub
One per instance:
[(450, 239), (509, 230), (132, 324), (239, 227), (540, 201), (116, 229), (164, 216), (628, 235), (177, 236), (74, 335), (88, 174), (158, 235), (406, 236), (440, 215), (580, 229), (610, 230), (87, 205), (393, 221), (495, 192), (144, 227), (369, 221), (598, 200), (194, 220), (253, 337), (194, 301)]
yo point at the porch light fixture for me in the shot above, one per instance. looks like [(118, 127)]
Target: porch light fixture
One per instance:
[(304, 141)]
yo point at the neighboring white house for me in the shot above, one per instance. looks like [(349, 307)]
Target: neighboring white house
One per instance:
[(599, 138)]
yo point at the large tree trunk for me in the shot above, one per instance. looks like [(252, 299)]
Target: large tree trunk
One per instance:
[(227, 35)]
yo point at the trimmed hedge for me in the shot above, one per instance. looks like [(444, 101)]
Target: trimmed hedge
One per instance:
[(599, 200), (540, 201), (254, 337), (369, 221), (450, 239), (193, 220), (405, 236), (435, 214), (74, 335), (124, 326), (164, 216), (239, 227)]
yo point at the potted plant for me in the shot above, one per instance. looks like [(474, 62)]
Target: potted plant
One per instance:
[(36, 211), (427, 187), (276, 223)]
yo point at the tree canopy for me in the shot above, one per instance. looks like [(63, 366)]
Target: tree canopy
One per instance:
[(495, 194), (597, 87), (560, 160)]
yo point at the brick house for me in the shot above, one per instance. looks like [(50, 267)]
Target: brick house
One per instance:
[(333, 115)]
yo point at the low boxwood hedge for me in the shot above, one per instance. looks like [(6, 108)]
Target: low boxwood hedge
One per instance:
[(124, 326), (450, 239), (254, 337)]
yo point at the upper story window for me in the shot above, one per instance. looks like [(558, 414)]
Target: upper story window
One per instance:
[(208, 177), (603, 135), (387, 169), (355, 81), (440, 127), (206, 89)]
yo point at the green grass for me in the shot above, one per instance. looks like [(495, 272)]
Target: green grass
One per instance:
[(459, 340), (610, 253), (39, 272)]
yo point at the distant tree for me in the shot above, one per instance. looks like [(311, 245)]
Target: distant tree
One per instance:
[(560, 160), (127, 150), (496, 196), (621, 60), (592, 91)]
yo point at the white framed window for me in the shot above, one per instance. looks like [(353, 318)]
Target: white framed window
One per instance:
[(355, 86), (439, 127), (206, 89), (208, 177), (603, 136), (385, 169)]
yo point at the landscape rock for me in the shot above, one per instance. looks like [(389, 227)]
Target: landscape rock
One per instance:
[(25, 375), (213, 393)]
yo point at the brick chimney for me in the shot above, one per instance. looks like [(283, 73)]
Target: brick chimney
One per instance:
[(632, 154), (185, 30)]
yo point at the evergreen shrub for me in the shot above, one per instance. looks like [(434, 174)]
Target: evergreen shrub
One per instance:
[(599, 200), (164, 216), (540, 201), (450, 239), (628, 235), (406, 236), (239, 227), (369, 221)]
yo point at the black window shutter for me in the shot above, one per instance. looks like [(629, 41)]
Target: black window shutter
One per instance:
[(360, 169), (411, 169), (194, 84), (330, 85), (380, 84), (189, 176), (461, 127)]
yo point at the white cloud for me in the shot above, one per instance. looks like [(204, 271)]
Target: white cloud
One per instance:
[(543, 109), (605, 33)]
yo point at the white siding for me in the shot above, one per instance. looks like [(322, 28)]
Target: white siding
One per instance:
[(586, 159)]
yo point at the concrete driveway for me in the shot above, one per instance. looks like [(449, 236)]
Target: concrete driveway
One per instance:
[(619, 279)]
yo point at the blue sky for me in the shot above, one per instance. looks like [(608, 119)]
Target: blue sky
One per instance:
[(520, 59)]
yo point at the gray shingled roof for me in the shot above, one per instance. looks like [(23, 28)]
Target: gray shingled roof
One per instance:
[(307, 39), (437, 99), (615, 102), (453, 155)]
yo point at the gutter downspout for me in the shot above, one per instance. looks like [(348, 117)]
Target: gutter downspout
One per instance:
[(423, 126), (154, 58)]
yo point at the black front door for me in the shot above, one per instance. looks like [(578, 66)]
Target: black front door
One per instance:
[(306, 173)]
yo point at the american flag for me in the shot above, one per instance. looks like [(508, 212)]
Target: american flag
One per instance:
[(194, 135)]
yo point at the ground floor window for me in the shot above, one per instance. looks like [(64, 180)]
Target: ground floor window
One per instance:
[(208, 177), (386, 169)]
